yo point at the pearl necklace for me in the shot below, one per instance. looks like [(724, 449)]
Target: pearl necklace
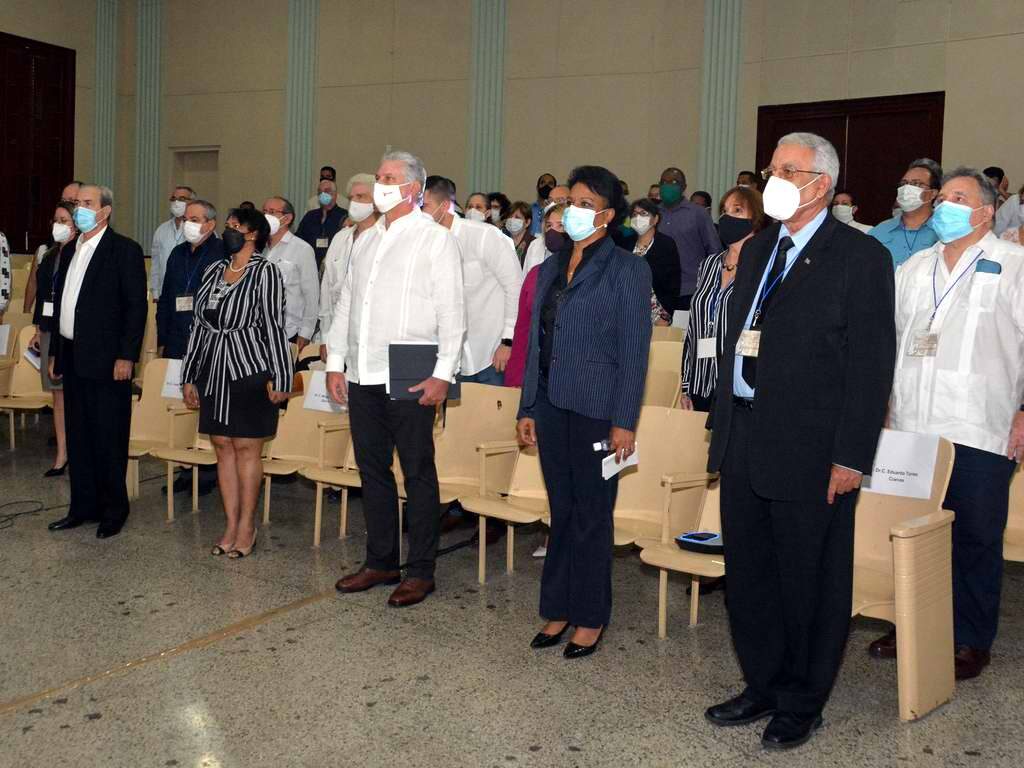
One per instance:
[(231, 266)]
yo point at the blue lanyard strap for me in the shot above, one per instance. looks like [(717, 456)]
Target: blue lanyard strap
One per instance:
[(767, 291), (192, 274), (911, 244), (935, 295)]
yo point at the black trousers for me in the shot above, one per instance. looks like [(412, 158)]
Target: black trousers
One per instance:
[(98, 415), (979, 495), (379, 426), (576, 584), (790, 583)]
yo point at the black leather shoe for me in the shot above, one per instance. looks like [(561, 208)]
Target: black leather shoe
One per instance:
[(65, 523), (543, 640), (106, 531), (788, 730), (738, 710), (574, 651), (56, 471)]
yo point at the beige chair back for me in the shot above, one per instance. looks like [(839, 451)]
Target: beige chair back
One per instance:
[(297, 437), (151, 419), (484, 414), (527, 478), (669, 442), (665, 356), (666, 333), (149, 338), (662, 388), (308, 351), (27, 381), (1013, 540), (18, 321)]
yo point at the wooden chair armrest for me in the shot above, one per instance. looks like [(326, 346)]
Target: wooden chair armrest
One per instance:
[(680, 480), (919, 526), (179, 410), (496, 447), (329, 427)]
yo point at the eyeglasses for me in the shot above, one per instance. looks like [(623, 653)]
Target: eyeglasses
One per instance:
[(271, 212), (918, 184), (180, 199), (786, 172)]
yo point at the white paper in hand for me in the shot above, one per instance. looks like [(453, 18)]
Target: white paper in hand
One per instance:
[(5, 337), (33, 358), (172, 381), (904, 465), (316, 398), (609, 468)]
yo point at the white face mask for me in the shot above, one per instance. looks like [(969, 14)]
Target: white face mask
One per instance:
[(908, 198), (193, 231), (495, 214), (782, 198), (387, 196), (274, 222), (843, 212), (474, 215), (640, 224), (514, 226), (61, 233), (178, 208), (358, 211)]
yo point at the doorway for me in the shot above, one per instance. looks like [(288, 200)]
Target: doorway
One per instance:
[(198, 167), (37, 136), (876, 139)]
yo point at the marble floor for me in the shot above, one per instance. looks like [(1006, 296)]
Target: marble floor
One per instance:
[(145, 651)]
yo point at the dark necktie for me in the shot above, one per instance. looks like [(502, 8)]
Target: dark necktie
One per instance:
[(771, 287)]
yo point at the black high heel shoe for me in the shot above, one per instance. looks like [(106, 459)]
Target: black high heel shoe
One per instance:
[(56, 471), (574, 651), (544, 640), (238, 554)]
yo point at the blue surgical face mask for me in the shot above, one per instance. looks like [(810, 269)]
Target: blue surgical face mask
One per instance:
[(951, 221), (579, 222), (85, 219), (325, 198)]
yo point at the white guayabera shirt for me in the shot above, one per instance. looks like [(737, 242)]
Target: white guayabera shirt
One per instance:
[(971, 388), (404, 283)]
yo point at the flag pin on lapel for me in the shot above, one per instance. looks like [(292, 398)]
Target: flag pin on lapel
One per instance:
[(807, 261)]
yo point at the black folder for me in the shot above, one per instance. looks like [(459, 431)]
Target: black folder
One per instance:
[(411, 363)]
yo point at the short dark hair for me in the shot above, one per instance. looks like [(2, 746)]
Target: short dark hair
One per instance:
[(995, 172), (441, 186), (502, 200), (254, 221), (323, 168), (752, 199), (682, 176), (247, 204), (647, 205), (522, 207), (933, 168), (603, 182), (846, 192), (548, 174), (751, 174), (702, 194)]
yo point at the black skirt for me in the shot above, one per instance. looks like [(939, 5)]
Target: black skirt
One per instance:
[(251, 414)]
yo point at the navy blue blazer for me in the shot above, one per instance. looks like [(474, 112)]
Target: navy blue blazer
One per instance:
[(602, 339)]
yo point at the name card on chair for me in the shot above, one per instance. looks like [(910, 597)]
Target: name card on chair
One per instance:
[(316, 398), (904, 465), (172, 381)]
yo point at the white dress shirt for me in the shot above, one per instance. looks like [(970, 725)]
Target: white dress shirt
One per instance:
[(297, 262), (1010, 215), (79, 265), (404, 283), (167, 236), (971, 389), (865, 228), (536, 253), (335, 268), (491, 280)]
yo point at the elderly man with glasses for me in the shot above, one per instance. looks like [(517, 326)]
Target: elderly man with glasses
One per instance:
[(910, 231), (167, 237)]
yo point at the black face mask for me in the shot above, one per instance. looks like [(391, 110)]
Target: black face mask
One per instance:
[(544, 190), (556, 241), (233, 241), (732, 230)]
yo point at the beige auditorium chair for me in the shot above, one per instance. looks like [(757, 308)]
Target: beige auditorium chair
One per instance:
[(157, 422), (17, 322), (22, 385), (667, 333), (199, 454), (664, 374), (903, 573), (669, 442), (1013, 539), (305, 438), (665, 555), (149, 350), (308, 351), (526, 500)]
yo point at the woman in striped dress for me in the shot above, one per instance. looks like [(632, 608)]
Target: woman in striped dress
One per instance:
[(741, 217), (238, 368)]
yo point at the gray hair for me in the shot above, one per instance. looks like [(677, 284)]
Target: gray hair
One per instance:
[(208, 210), (933, 168), (106, 193), (359, 178), (414, 170), (185, 186), (988, 190), (286, 205), (826, 160)]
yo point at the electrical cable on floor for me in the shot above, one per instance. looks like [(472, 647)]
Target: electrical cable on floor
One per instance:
[(7, 520)]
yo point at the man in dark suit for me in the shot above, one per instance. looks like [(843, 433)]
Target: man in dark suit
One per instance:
[(801, 398), (100, 305)]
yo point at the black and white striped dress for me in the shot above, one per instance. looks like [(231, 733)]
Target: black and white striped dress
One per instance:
[(709, 310), (237, 337)]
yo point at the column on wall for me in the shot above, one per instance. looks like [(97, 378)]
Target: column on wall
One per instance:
[(723, 44), (487, 96), (106, 92), (148, 193), (300, 110)]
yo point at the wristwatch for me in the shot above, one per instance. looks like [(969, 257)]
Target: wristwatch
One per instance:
[(508, 343)]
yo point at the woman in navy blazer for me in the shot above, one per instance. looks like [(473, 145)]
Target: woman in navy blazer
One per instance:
[(590, 332)]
